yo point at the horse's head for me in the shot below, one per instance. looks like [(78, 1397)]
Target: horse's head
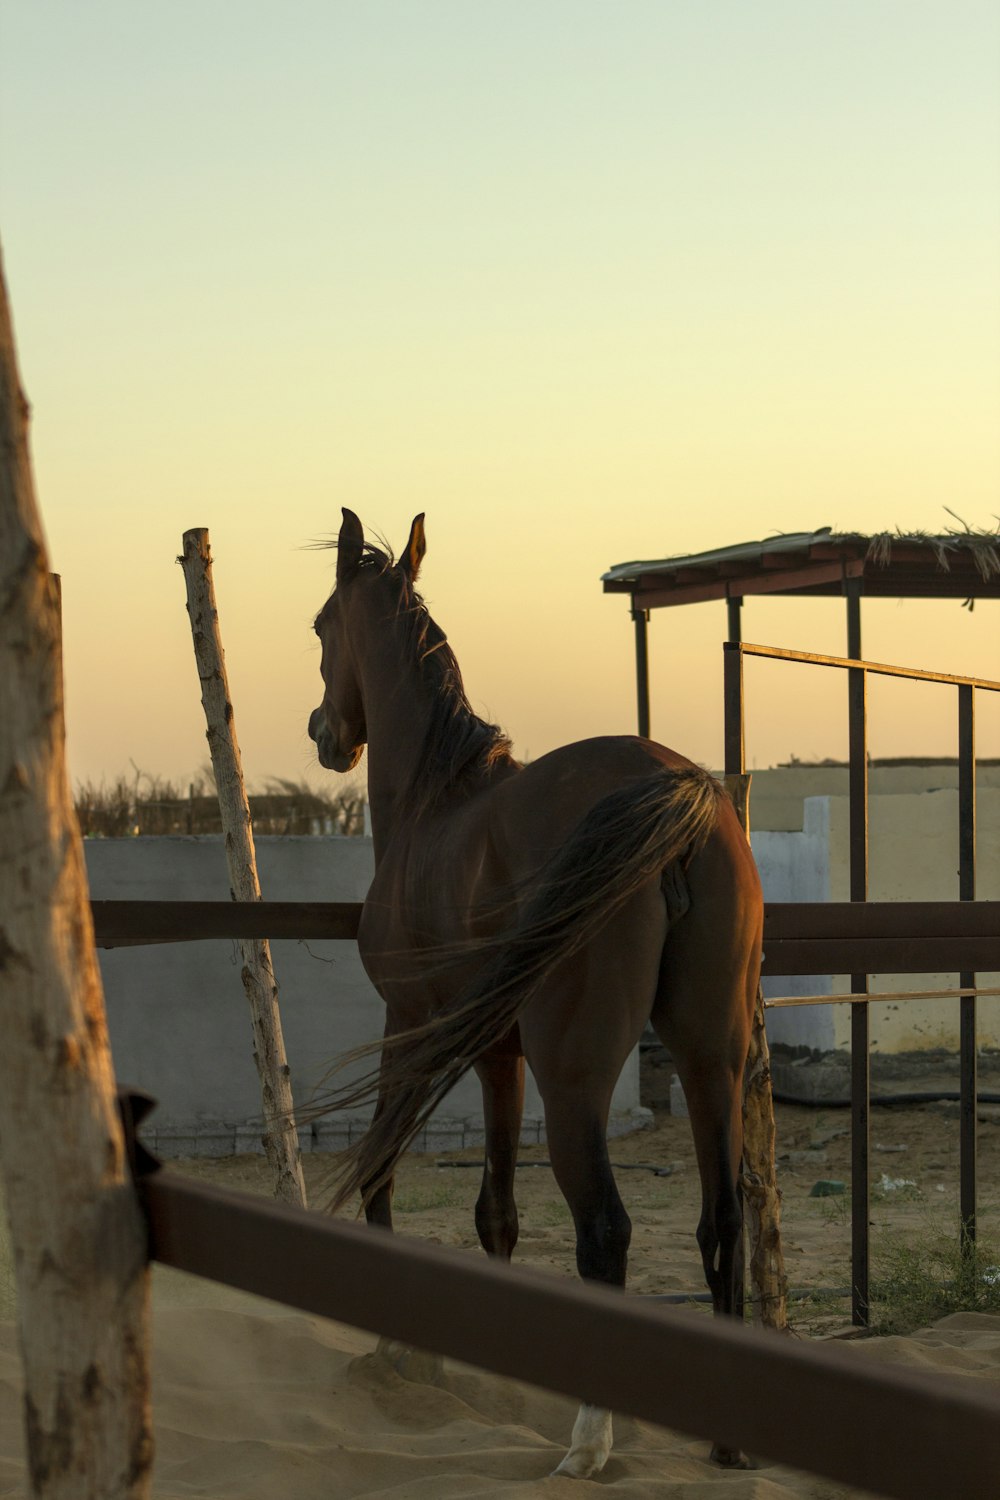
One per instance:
[(367, 582)]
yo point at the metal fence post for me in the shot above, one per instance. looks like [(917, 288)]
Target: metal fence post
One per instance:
[(734, 618), (733, 718), (857, 698), (967, 979)]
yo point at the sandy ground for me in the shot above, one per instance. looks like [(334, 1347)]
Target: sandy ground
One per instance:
[(252, 1400)]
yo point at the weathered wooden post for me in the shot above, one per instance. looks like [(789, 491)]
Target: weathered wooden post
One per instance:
[(758, 1178), (78, 1235), (761, 1194), (280, 1136)]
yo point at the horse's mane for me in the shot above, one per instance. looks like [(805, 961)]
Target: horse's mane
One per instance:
[(458, 744)]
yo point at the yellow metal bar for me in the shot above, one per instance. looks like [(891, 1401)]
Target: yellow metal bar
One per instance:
[(780, 1000)]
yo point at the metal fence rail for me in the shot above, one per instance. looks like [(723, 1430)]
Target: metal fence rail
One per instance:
[(881, 937), (827, 1410), (123, 924), (796, 933), (800, 937)]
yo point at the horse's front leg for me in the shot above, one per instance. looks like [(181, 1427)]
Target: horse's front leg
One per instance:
[(378, 1205), (377, 1189)]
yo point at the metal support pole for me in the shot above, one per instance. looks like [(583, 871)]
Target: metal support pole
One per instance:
[(732, 689), (734, 614), (641, 619), (857, 697), (733, 766), (967, 979)]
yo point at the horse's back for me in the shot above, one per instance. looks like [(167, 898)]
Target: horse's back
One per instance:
[(532, 814)]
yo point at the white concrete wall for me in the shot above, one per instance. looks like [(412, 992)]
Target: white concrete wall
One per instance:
[(179, 1020), (795, 866), (913, 856), (778, 794)]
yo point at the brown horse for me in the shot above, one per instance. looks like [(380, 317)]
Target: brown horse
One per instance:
[(542, 912)]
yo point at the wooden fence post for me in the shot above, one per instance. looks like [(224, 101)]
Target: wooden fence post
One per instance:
[(280, 1136), (758, 1178), (78, 1234)]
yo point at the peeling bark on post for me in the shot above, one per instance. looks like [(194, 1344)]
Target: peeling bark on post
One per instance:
[(78, 1234), (758, 1178), (761, 1193), (280, 1136)]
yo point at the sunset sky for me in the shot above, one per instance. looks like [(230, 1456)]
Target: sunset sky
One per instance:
[(586, 282)]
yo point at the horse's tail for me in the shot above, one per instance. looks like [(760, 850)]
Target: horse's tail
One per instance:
[(630, 837)]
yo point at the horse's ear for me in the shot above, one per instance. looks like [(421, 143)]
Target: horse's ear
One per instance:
[(415, 549), (350, 546)]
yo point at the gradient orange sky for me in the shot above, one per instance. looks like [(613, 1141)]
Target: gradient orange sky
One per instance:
[(585, 282)]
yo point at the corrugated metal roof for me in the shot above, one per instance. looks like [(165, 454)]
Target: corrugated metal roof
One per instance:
[(960, 564), (791, 541)]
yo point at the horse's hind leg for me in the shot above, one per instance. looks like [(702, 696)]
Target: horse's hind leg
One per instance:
[(577, 1036), (716, 1124), (501, 1074), (702, 1015), (714, 1107), (578, 1151)]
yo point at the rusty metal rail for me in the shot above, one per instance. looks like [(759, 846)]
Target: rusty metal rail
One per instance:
[(828, 1410), (871, 668)]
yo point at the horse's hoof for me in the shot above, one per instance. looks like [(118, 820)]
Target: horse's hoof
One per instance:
[(590, 1444), (390, 1351), (731, 1458), (418, 1365), (580, 1463)]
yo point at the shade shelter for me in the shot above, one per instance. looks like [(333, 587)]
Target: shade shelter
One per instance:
[(962, 565)]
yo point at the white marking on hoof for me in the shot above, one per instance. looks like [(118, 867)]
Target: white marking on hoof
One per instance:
[(590, 1444), (418, 1365)]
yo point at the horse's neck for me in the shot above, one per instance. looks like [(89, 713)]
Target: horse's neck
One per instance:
[(398, 713), (421, 730)]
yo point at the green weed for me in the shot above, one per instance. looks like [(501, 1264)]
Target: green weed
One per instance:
[(418, 1200), (834, 1211), (916, 1281)]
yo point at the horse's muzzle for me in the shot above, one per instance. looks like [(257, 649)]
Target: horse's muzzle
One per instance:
[(328, 751)]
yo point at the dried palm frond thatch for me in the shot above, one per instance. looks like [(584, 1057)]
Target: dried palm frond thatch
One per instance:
[(982, 544)]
